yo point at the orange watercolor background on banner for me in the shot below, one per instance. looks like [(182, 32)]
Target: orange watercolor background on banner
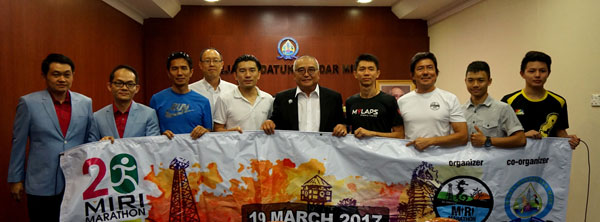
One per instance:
[(271, 183)]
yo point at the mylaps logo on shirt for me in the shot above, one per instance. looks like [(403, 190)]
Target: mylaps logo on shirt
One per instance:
[(366, 112)]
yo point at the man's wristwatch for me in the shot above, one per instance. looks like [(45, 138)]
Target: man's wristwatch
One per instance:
[(488, 141)]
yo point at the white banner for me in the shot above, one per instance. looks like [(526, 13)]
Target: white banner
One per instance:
[(309, 177)]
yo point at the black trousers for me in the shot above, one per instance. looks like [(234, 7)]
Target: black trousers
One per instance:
[(44, 208)]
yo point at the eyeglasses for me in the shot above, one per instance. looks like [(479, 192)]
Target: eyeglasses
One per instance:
[(208, 61), (120, 84), (310, 71)]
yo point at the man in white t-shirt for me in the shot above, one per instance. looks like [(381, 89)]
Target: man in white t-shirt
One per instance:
[(432, 116), (211, 64), (246, 107)]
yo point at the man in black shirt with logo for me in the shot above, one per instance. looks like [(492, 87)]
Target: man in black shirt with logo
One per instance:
[(371, 112)]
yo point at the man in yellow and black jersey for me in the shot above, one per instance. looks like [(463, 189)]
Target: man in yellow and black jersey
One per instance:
[(541, 112)]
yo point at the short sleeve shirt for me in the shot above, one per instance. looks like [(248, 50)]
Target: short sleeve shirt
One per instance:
[(492, 117), (205, 89), (378, 113), (181, 113), (233, 110), (429, 114), (546, 115)]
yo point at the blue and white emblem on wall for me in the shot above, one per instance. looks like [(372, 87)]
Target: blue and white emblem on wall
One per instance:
[(287, 48)]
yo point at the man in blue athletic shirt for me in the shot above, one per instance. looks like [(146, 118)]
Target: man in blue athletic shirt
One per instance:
[(179, 109)]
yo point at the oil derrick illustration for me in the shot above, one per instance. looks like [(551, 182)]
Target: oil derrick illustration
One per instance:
[(183, 207), (423, 185), (316, 192)]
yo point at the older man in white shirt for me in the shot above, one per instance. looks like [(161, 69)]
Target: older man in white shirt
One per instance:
[(211, 86), (309, 106)]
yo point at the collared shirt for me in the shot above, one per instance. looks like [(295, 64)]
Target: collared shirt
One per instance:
[(492, 117), (309, 110), (204, 88), (63, 112), (121, 119), (233, 109)]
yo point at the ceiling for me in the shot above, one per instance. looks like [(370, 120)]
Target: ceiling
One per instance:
[(432, 11), (291, 2)]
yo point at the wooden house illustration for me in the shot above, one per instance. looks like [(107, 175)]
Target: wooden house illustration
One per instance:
[(316, 191)]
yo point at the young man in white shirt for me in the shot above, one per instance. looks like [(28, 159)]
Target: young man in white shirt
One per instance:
[(246, 107)]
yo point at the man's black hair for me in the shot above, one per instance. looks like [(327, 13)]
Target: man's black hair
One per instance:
[(366, 57), (179, 55), (420, 56), (535, 56), (478, 66), (56, 58), (112, 74), (245, 58)]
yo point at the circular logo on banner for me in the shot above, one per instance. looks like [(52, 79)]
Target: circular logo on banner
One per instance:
[(463, 198), (530, 198), (287, 48)]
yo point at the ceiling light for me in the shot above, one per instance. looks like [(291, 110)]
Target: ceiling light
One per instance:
[(363, 1), (211, 0)]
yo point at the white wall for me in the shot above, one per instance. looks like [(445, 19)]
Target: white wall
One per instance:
[(501, 32)]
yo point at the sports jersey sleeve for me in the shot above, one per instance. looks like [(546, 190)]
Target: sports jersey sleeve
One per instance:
[(505, 99), (563, 118), (207, 120), (154, 105)]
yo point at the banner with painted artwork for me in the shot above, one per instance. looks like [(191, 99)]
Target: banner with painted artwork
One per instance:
[(309, 177)]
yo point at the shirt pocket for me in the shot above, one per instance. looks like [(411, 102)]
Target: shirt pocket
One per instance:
[(489, 126)]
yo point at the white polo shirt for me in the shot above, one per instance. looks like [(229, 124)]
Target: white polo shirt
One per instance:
[(205, 89), (232, 110)]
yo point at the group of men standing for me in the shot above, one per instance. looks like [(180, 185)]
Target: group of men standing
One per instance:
[(56, 119)]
